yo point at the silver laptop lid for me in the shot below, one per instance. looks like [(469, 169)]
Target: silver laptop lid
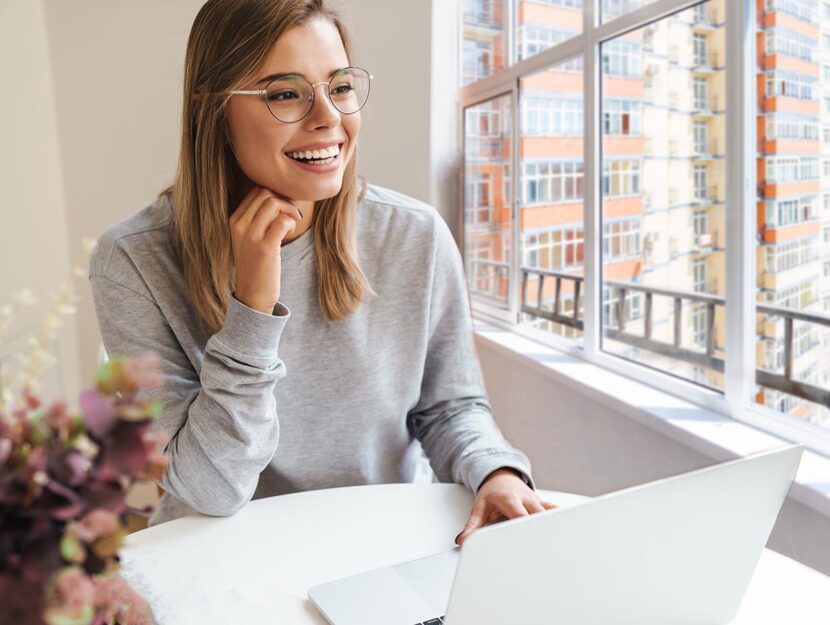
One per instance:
[(679, 550)]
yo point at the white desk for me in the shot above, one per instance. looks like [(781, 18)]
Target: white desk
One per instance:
[(256, 566)]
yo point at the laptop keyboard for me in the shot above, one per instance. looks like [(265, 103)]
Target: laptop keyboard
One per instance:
[(433, 621)]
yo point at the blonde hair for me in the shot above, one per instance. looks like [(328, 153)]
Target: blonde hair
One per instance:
[(228, 42)]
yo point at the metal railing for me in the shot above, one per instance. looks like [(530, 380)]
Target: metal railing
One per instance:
[(645, 340)]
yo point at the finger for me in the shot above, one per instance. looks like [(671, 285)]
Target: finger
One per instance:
[(278, 229), (246, 204), (250, 213), (512, 507), (533, 505), (547, 505), (268, 214), (475, 520)]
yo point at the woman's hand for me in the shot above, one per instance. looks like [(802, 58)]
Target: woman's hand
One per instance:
[(258, 226), (502, 495)]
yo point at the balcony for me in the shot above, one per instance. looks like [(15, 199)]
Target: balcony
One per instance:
[(705, 106), (706, 195), (485, 20), (706, 240), (706, 62), (644, 340), (704, 18)]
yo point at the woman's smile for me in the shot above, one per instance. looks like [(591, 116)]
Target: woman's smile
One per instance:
[(323, 159)]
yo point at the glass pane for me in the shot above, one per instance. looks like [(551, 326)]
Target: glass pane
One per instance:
[(616, 8), (663, 226), (541, 24), (487, 179), (484, 42), (793, 216), (552, 196)]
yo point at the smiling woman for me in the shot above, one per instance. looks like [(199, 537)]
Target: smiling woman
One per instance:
[(244, 277)]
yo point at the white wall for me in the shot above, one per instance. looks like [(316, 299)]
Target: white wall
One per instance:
[(35, 251), (117, 68)]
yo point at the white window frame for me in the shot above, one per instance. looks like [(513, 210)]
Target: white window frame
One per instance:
[(737, 400)]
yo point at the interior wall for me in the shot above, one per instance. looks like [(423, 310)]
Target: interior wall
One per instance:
[(579, 445), (35, 251)]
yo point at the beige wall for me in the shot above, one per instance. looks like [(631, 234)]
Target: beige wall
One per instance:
[(35, 251), (117, 68)]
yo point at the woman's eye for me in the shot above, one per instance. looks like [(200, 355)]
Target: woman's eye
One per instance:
[(282, 96), (342, 89)]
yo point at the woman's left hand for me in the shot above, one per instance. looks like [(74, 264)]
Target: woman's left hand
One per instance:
[(502, 495)]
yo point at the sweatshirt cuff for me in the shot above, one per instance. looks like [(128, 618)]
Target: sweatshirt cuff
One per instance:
[(483, 465), (251, 334)]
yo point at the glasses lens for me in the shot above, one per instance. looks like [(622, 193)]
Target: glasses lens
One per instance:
[(289, 98), (349, 89)]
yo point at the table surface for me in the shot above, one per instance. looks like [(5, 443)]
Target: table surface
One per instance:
[(257, 565)]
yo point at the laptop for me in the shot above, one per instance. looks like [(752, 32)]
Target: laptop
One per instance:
[(679, 550)]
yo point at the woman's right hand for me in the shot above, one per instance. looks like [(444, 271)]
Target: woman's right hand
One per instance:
[(258, 226)]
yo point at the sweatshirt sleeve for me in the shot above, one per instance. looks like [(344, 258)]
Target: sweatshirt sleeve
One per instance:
[(222, 420), (453, 418)]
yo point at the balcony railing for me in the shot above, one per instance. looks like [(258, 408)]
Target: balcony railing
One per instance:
[(482, 19), (706, 358)]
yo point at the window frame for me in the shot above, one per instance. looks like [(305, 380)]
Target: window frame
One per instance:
[(737, 401)]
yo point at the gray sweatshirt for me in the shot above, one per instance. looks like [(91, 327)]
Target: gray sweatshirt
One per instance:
[(290, 401)]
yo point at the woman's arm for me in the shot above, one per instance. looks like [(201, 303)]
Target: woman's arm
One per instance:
[(453, 418), (222, 421)]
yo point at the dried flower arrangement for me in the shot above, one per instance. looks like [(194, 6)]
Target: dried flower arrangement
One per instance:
[(63, 481)]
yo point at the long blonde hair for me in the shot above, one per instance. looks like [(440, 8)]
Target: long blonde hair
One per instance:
[(228, 42)]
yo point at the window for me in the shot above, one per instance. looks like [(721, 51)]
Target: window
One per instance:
[(700, 49), (791, 126), (793, 211), (661, 226), (699, 177), (487, 149), (553, 182), (780, 40), (621, 177), (533, 38), (552, 117), (622, 58), (701, 90), (621, 239), (700, 132), (805, 10), (791, 84), (621, 117)]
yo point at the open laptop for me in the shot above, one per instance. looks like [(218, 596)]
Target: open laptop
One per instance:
[(680, 550)]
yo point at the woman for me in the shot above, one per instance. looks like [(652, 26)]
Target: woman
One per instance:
[(314, 332)]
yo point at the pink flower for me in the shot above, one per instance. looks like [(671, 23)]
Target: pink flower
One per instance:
[(71, 597), (95, 524), (117, 600)]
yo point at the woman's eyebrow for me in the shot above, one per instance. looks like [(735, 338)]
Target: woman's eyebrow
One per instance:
[(284, 74)]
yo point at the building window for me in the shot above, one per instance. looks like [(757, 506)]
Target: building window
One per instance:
[(621, 178)]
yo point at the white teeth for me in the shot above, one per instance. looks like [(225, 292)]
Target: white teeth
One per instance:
[(332, 150)]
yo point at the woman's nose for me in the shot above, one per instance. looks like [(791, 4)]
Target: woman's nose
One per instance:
[(322, 108)]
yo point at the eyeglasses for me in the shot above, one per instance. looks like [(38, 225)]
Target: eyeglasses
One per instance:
[(290, 98)]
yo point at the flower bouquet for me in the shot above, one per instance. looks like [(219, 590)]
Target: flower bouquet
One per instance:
[(63, 481)]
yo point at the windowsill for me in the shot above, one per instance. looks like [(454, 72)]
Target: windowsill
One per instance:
[(703, 430)]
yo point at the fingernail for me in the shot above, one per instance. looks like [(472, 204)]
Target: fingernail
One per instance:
[(459, 536)]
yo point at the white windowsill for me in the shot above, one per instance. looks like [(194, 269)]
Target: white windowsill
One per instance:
[(703, 430)]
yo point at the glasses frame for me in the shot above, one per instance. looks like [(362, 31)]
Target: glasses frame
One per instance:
[(262, 92)]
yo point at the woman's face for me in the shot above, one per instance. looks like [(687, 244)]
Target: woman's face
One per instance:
[(261, 143)]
